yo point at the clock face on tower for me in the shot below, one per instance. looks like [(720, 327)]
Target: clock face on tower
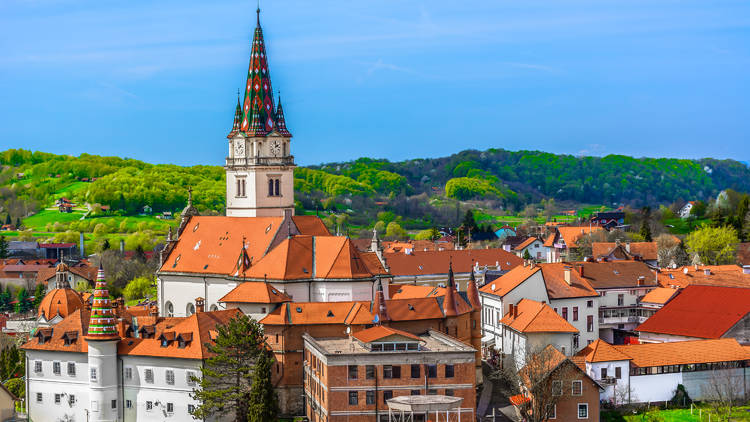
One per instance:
[(275, 147), (239, 147)]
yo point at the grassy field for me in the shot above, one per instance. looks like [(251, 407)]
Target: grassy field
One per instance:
[(684, 226), (676, 415), (39, 221), (69, 190)]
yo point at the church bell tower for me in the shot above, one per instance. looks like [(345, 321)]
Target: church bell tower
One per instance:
[(260, 165)]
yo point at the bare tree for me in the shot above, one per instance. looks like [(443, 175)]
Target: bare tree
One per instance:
[(723, 391), (624, 395)]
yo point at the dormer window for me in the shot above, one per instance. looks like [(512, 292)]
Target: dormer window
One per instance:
[(165, 339), (70, 337), (184, 339), (44, 335)]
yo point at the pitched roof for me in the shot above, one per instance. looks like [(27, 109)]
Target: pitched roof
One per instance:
[(659, 295), (645, 250), (558, 288), (212, 244), (255, 292), (601, 351), (550, 240), (617, 274), (435, 262), (510, 280), (571, 234), (521, 246), (700, 311), (684, 352), (258, 93), (411, 291), (536, 317), (380, 332), (60, 301), (718, 275)]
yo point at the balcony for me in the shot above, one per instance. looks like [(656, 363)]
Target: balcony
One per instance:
[(260, 161), (624, 315)]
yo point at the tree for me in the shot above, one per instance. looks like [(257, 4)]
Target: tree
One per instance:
[(550, 209), (264, 405), (39, 293), (723, 390), (225, 385), (698, 209), (380, 227), (17, 386), (7, 219), (530, 213), (714, 245), (18, 223), (526, 254), (140, 288), (3, 247), (646, 224), (23, 304), (394, 231)]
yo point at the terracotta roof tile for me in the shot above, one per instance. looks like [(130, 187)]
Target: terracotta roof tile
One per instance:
[(255, 292), (435, 262), (510, 280), (684, 352), (700, 311), (601, 351), (536, 317), (525, 243), (617, 274), (558, 288), (659, 295), (718, 275), (380, 332), (410, 291), (550, 240), (645, 250), (571, 234), (60, 301)]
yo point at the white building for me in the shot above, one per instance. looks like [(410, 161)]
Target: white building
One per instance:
[(534, 247), (686, 209)]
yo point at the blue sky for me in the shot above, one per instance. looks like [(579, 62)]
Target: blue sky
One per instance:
[(157, 80)]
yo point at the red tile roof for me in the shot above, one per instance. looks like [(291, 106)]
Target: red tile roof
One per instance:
[(601, 351), (659, 295), (684, 352), (617, 274), (510, 280), (61, 302), (700, 311), (380, 332), (255, 292), (536, 317), (525, 243), (718, 275), (558, 288), (571, 234), (645, 250), (436, 262)]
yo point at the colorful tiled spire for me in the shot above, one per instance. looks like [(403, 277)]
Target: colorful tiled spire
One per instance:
[(102, 324), (237, 118), (281, 121), (256, 127), (258, 91)]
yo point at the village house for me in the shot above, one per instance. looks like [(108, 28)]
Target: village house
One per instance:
[(706, 275), (701, 312), (562, 240), (635, 251), (648, 373), (608, 219), (353, 378), (534, 247)]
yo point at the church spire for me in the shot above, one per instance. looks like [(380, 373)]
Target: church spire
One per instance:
[(281, 121), (256, 127), (102, 324), (237, 118), (258, 91)]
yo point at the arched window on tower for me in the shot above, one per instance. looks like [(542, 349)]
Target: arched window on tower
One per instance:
[(277, 186), (270, 187)]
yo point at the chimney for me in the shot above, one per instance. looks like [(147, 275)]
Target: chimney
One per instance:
[(510, 310), (515, 312), (696, 267), (627, 247), (566, 274), (707, 271), (200, 304), (746, 269), (580, 270), (641, 280)]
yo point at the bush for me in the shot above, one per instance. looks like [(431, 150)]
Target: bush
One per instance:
[(16, 386), (140, 288)]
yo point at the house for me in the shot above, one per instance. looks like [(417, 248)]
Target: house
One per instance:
[(57, 250), (701, 312), (254, 299), (429, 268), (686, 209), (534, 247), (529, 326), (647, 373), (616, 251), (568, 294), (608, 219), (705, 275), (743, 254), (562, 240), (659, 297), (79, 276), (554, 384), (504, 232), (356, 376), (7, 404)]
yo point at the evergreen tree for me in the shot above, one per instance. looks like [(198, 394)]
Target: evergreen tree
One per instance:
[(264, 405), (646, 224), (224, 388), (39, 293), (3, 247), (23, 304), (18, 223), (5, 299), (7, 219), (526, 254)]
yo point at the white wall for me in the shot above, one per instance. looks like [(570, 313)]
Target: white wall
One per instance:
[(609, 393), (183, 289), (49, 384), (650, 388), (536, 250), (585, 337)]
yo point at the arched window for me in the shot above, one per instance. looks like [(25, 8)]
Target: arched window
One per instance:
[(277, 183), (190, 310), (214, 308), (170, 309), (239, 188), (270, 187)]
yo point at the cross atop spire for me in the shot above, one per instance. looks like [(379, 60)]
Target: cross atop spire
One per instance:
[(258, 91)]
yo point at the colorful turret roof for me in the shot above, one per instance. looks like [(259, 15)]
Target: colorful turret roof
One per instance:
[(281, 121), (237, 117), (258, 92), (103, 323)]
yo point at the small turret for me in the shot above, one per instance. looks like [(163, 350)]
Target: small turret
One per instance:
[(379, 306), (449, 303), (281, 121)]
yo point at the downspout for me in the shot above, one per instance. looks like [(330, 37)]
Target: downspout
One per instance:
[(28, 396), (121, 387), (377, 414)]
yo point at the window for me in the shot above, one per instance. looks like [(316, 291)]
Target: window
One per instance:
[(370, 397), (449, 392), (589, 303), (620, 299), (128, 404), (149, 406), (575, 313), (577, 388), (274, 187), (565, 313), (38, 397), (414, 392), (618, 372), (352, 372), (170, 377), (370, 372), (191, 408), (189, 309), (57, 399), (277, 184), (432, 392), (170, 407), (415, 371), (590, 323), (170, 309), (56, 368), (576, 340), (604, 373), (387, 394), (270, 187), (189, 375), (93, 374), (553, 412), (557, 388), (353, 398), (38, 366), (583, 411), (72, 369), (148, 375), (431, 371), (449, 371), (128, 373), (114, 404), (391, 371)]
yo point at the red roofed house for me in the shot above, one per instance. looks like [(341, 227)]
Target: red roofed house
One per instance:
[(563, 239), (534, 247), (701, 312)]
